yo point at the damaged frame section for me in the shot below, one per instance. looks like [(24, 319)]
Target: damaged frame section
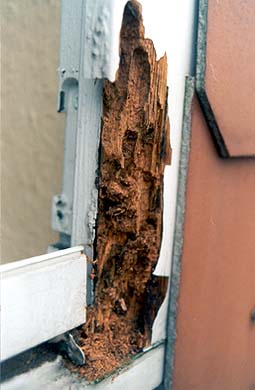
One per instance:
[(134, 150), (127, 292)]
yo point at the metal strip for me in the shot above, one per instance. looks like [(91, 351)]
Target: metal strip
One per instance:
[(41, 298), (178, 235)]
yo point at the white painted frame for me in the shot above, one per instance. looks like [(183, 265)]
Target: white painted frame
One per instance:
[(41, 298), (170, 25)]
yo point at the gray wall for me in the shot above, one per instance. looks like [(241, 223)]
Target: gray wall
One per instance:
[(32, 138)]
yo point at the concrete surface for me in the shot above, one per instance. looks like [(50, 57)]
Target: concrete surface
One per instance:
[(32, 136)]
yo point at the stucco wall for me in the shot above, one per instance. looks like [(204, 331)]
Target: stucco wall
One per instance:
[(32, 136)]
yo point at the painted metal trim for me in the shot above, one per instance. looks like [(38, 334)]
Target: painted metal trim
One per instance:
[(178, 235), (60, 255), (89, 52), (69, 76), (41, 298)]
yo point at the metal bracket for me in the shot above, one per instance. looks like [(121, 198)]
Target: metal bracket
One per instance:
[(69, 70), (88, 53), (80, 98), (68, 345)]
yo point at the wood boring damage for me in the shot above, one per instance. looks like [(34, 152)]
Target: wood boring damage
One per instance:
[(135, 147)]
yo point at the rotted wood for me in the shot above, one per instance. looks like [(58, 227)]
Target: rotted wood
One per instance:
[(135, 147)]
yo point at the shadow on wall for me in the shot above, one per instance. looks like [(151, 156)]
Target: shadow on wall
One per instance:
[(33, 133)]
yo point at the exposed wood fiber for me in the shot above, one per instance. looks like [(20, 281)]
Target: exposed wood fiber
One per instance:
[(135, 146)]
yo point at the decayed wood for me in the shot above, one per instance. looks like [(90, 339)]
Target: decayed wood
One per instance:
[(135, 146)]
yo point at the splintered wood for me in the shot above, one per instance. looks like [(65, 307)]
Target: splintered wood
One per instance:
[(135, 147)]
